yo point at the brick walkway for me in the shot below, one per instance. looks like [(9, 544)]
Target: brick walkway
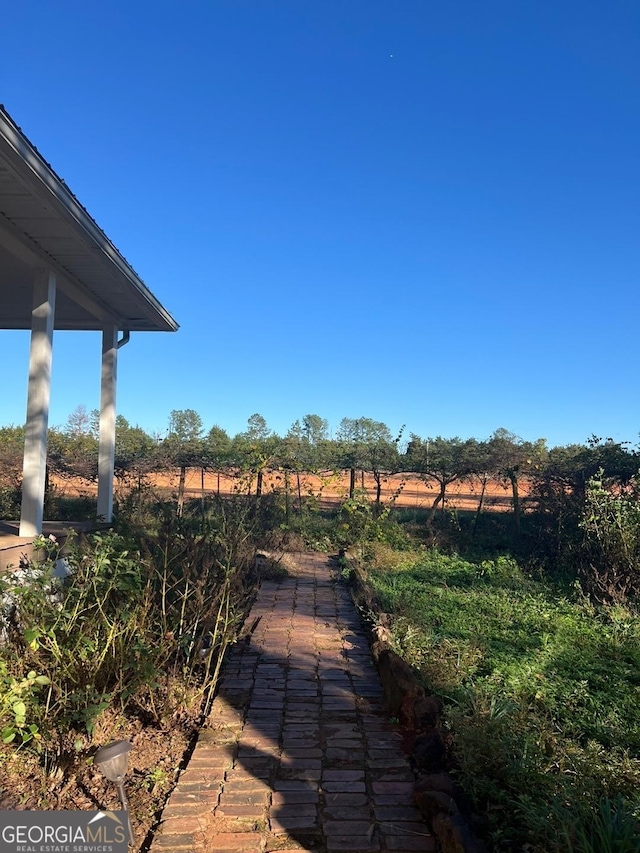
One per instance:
[(299, 754)]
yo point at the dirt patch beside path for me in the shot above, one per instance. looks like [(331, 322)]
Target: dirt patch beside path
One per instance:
[(32, 781)]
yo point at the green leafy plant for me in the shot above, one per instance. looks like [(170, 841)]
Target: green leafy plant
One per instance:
[(610, 554), (17, 696)]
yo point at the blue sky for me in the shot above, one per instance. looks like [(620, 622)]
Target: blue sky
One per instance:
[(424, 213)]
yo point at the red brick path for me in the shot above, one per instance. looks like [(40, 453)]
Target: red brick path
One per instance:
[(299, 753)]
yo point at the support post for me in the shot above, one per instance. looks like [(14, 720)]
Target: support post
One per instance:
[(38, 396), (107, 446)]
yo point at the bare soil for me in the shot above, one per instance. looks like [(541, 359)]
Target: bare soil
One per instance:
[(409, 490), (32, 781)]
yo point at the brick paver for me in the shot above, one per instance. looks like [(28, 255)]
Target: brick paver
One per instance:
[(298, 753)]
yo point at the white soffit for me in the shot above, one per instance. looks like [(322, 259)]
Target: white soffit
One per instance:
[(42, 224)]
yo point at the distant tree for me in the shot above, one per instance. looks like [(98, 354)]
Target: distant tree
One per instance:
[(483, 468), (95, 422), (312, 437), (185, 425), (79, 422), (287, 455), (184, 446), (257, 429), (254, 449), (359, 443), (315, 429), (73, 451), (617, 460), (443, 461), (346, 450), (294, 453), (380, 454), (134, 453), (306, 447), (217, 450), (515, 458)]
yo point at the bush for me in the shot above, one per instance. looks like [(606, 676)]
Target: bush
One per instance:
[(139, 624), (9, 501), (609, 558)]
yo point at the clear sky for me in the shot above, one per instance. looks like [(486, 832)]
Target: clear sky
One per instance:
[(426, 213)]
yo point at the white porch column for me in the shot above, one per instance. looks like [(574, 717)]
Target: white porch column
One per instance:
[(38, 395), (107, 450)]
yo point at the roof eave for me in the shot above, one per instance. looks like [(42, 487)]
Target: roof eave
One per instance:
[(48, 186)]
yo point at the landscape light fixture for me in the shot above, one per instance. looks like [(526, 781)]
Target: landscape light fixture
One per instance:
[(113, 760)]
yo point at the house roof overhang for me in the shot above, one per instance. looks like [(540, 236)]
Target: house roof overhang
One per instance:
[(43, 225)]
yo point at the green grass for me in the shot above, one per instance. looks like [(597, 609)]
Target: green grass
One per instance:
[(542, 694)]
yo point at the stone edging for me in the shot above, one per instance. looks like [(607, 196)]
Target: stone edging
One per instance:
[(444, 805)]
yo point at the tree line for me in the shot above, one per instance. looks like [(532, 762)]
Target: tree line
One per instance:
[(555, 476)]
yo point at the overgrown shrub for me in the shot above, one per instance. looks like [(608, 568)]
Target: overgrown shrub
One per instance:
[(609, 558), (139, 624)]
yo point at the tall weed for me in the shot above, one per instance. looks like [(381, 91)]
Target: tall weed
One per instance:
[(139, 624), (612, 828)]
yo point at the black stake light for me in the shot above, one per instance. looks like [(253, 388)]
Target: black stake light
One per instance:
[(113, 761)]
